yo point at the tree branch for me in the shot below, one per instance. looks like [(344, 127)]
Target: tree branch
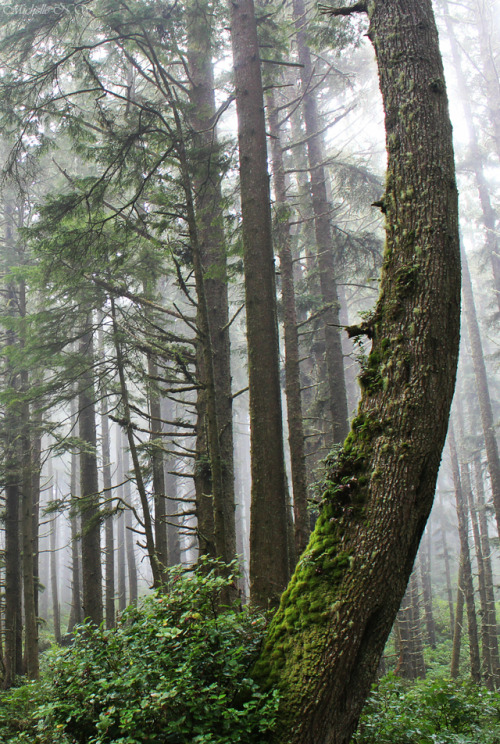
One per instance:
[(344, 11)]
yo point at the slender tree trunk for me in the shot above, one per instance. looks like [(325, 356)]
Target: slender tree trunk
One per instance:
[(483, 391), (89, 485), (483, 11), (324, 643), (268, 529), (109, 523), (28, 544), (76, 612), (446, 559), (459, 620), (120, 530), (488, 571), (324, 237), (129, 535), (54, 584), (463, 531), (425, 574), (476, 158), (409, 636), (292, 354), (147, 522), (174, 556), (208, 203), (160, 515)]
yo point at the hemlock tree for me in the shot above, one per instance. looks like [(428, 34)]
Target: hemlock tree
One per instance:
[(324, 643)]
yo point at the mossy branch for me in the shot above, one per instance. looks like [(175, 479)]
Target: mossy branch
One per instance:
[(344, 11)]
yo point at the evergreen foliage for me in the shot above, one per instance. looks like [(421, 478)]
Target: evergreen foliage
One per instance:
[(176, 667)]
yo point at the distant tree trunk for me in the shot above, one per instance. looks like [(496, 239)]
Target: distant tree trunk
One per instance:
[(12, 477), (446, 559), (208, 202), (129, 535), (35, 486), (483, 391), (109, 523), (292, 355), (484, 14), (30, 588), (89, 485), (411, 663), (488, 571), (26, 437), (147, 521), (54, 584), (160, 514), (459, 620), (476, 156), (120, 533), (324, 237), (425, 574), (468, 587), (76, 612), (324, 643), (174, 556), (269, 565)]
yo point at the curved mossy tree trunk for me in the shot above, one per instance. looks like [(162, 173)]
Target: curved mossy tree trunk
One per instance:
[(324, 643)]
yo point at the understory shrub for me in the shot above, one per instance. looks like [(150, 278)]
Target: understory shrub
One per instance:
[(175, 670), (430, 711)]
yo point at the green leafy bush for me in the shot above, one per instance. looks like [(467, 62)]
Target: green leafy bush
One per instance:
[(175, 670), (434, 711)]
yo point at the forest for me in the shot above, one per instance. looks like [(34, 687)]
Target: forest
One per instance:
[(249, 393)]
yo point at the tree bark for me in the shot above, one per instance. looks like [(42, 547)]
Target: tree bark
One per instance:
[(468, 587), (458, 625), (292, 354), (268, 529), (425, 574), (324, 237), (89, 485), (325, 642), (483, 390), (208, 202)]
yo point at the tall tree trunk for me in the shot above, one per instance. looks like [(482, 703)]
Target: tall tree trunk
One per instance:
[(30, 588), (447, 572), (476, 158), (76, 612), (54, 583), (409, 636), (483, 391), (425, 573), (160, 514), (468, 587), (120, 532), (325, 642), (208, 203), (292, 354), (488, 570), (89, 485), (269, 564), (459, 620), (109, 523), (147, 522), (12, 478), (324, 236), (129, 535)]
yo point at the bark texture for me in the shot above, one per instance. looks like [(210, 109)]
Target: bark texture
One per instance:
[(268, 528), (325, 641)]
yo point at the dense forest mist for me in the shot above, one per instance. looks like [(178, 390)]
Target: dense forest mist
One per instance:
[(218, 226)]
